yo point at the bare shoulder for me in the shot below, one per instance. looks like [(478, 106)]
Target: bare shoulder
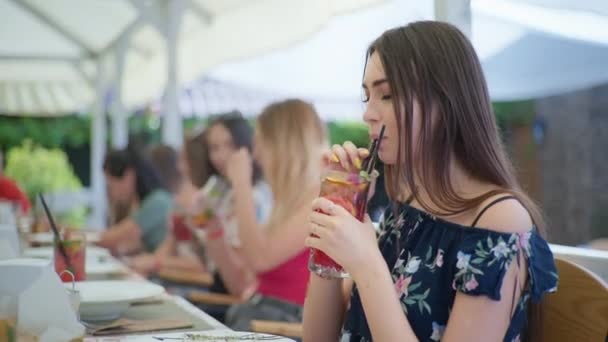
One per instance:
[(505, 216)]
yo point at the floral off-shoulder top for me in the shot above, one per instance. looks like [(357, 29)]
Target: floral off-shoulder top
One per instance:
[(431, 259)]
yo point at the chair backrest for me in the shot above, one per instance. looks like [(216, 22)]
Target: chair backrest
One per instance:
[(593, 260), (578, 311)]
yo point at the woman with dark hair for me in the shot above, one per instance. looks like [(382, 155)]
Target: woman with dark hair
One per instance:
[(132, 181), (460, 256), (179, 250), (225, 135)]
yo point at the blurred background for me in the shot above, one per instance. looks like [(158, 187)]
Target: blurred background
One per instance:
[(78, 77)]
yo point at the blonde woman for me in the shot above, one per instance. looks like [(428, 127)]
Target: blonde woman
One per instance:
[(289, 142)]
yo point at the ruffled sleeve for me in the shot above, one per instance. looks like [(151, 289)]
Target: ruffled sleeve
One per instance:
[(482, 260), (484, 257), (541, 267)]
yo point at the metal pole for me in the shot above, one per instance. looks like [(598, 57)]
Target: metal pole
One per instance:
[(98, 150), (120, 120), (172, 119)]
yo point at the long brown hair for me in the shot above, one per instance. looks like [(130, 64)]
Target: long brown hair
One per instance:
[(295, 136), (435, 65)]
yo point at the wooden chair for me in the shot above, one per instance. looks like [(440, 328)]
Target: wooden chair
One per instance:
[(210, 298), (259, 326), (278, 328), (578, 311), (593, 260), (187, 278)]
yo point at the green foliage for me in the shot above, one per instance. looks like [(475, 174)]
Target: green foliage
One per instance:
[(354, 131), (339, 131), (39, 170), (73, 130)]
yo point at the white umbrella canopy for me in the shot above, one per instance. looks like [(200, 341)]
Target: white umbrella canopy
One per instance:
[(58, 57), (326, 69), (232, 33), (48, 49), (525, 48), (542, 57), (594, 6)]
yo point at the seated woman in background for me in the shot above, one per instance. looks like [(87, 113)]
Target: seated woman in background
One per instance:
[(225, 135), (289, 141), (179, 251), (132, 181), (164, 160)]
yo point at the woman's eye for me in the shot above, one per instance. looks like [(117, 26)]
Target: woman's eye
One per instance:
[(386, 97)]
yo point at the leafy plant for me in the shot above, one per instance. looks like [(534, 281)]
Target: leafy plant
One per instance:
[(40, 170), (354, 131), (72, 130)]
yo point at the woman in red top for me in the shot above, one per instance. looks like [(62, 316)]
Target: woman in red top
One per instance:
[(289, 141)]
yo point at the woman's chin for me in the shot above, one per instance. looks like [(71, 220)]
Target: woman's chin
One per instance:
[(386, 159)]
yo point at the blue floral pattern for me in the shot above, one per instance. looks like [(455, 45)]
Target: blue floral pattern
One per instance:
[(433, 259)]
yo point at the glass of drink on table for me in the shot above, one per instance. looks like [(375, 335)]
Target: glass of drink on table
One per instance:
[(350, 191), (74, 246)]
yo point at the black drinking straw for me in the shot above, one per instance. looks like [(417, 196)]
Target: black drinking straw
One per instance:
[(56, 233), (373, 154), (370, 148)]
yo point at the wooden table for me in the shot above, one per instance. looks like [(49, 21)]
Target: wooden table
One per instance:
[(166, 306)]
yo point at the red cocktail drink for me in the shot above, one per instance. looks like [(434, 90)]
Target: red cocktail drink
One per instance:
[(348, 190), (74, 245)]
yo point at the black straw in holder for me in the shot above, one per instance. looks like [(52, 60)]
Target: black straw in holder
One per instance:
[(371, 147), (373, 153), (56, 233)]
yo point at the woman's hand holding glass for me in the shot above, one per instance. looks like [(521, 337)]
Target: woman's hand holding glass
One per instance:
[(204, 217), (334, 230)]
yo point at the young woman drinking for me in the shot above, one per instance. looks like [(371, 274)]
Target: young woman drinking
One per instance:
[(225, 135), (460, 255), (289, 141)]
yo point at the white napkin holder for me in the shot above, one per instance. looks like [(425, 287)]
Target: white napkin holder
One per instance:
[(32, 292)]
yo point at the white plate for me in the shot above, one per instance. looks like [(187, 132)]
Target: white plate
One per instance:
[(108, 267), (218, 334), (92, 252), (48, 237), (107, 300)]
